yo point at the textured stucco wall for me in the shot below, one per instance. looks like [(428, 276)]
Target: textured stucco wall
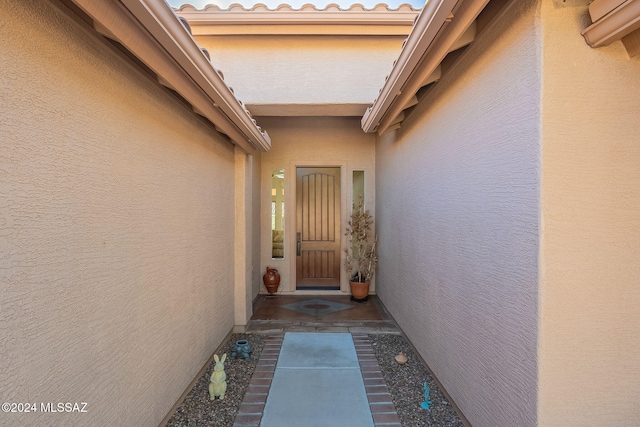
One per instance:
[(256, 217), (457, 197), (590, 263), (304, 69), (116, 266), (311, 141)]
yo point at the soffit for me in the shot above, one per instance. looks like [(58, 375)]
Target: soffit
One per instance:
[(152, 32), (308, 20)]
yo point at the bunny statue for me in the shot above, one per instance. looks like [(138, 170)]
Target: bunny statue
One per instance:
[(218, 385)]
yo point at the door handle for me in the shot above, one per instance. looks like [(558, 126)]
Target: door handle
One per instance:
[(298, 245)]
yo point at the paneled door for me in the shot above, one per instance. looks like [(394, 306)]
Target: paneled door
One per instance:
[(318, 228)]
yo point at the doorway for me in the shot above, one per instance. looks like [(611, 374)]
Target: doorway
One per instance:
[(318, 228)]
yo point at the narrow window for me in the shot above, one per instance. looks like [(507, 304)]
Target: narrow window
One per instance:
[(277, 213)]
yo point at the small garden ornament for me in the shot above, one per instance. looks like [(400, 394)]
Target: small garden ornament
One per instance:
[(401, 359), (242, 349), (426, 404), (218, 385)]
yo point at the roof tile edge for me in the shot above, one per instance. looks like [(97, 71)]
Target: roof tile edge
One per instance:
[(332, 20), (308, 7)]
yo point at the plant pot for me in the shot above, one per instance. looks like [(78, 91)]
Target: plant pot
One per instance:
[(359, 290), (271, 280)]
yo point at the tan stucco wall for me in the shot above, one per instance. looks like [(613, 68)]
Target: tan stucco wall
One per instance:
[(243, 239), (304, 69), (256, 218), (116, 205), (590, 244), (457, 196), (311, 141)]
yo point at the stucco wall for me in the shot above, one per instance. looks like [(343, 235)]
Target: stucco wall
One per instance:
[(457, 191), (304, 69), (115, 210), (256, 214), (311, 141), (590, 270)]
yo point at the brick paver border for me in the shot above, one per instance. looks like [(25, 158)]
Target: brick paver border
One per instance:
[(252, 406), (382, 407)]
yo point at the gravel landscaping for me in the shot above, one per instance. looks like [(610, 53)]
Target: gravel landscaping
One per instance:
[(405, 383), (198, 410)]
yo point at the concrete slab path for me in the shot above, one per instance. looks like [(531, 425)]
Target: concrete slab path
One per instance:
[(317, 382)]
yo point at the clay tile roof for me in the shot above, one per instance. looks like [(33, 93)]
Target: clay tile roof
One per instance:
[(333, 7)]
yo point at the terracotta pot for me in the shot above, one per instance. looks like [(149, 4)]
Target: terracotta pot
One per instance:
[(360, 290), (271, 280)]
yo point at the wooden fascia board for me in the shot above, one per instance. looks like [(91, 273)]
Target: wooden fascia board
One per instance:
[(300, 22), (151, 32), (418, 64), (621, 20), (300, 17), (432, 18), (301, 30)]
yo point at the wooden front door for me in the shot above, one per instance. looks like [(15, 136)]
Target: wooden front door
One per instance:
[(318, 228)]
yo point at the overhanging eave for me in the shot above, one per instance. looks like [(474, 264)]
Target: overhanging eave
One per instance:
[(442, 27), (151, 31)]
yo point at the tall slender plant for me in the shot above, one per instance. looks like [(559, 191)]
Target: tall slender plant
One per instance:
[(361, 258)]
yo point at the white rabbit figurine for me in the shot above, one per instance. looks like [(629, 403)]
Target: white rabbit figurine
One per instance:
[(218, 385)]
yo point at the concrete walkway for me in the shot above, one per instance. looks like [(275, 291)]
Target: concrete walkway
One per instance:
[(312, 379), (317, 383)]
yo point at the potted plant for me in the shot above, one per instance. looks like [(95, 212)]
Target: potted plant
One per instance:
[(361, 258)]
